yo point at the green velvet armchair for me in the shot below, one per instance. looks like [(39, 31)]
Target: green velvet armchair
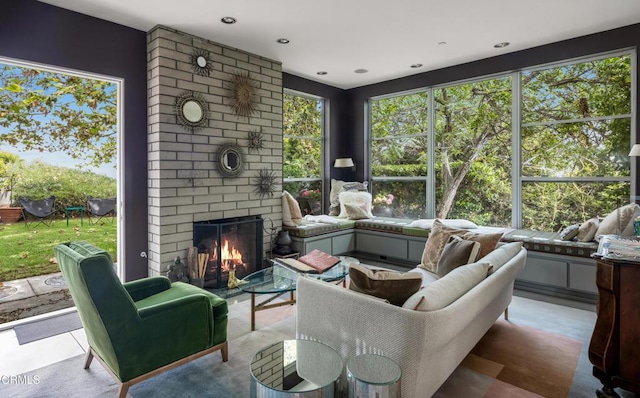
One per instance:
[(141, 328)]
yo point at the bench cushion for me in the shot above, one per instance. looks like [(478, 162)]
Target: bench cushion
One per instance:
[(550, 242)]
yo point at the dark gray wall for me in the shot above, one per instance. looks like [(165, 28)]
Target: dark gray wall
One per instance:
[(37, 32), (611, 40)]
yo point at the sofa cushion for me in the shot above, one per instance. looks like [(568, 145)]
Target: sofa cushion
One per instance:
[(360, 199), (449, 288), (619, 221), (291, 214), (457, 252), (587, 230), (391, 285), (338, 186), (502, 254), (439, 236)]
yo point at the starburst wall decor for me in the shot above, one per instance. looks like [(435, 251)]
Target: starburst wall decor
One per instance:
[(243, 94), (256, 141), (201, 62), (265, 183)]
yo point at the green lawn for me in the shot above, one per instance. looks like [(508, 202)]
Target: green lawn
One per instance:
[(26, 252)]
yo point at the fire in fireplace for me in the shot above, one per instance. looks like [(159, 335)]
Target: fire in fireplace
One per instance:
[(232, 244)]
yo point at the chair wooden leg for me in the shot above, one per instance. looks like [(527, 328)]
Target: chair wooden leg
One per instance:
[(122, 392), (88, 358), (225, 352), (506, 314)]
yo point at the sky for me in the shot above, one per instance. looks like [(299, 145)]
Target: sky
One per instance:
[(59, 159)]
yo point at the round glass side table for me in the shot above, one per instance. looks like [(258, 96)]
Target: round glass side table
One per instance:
[(295, 369), (373, 376)]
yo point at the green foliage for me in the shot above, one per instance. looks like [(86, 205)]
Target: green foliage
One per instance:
[(26, 252), (473, 137), (52, 112), (38, 180), (302, 143)]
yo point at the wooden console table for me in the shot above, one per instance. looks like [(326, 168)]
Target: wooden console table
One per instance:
[(614, 350)]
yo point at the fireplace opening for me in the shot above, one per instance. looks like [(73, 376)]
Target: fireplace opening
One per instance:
[(232, 244)]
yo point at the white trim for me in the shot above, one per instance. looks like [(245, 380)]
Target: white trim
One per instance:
[(119, 82), (579, 120)]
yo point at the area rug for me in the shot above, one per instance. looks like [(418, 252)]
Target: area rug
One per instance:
[(512, 360), (38, 330)]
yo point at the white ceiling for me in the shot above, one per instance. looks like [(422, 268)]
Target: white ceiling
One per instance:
[(383, 36)]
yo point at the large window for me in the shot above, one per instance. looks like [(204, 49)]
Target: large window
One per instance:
[(303, 137), (576, 129), (399, 137), (557, 141)]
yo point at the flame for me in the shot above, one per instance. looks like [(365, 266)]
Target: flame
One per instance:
[(230, 256)]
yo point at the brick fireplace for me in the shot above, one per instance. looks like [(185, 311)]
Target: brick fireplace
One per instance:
[(185, 186)]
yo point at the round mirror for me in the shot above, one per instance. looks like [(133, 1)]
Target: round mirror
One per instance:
[(192, 111), (201, 61), (230, 160)]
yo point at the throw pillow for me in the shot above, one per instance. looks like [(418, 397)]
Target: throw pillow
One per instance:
[(338, 186), (502, 254), (355, 212), (570, 232), (457, 252), (587, 230), (449, 288), (360, 199), (394, 286), (439, 236), (291, 214), (619, 221), (453, 223)]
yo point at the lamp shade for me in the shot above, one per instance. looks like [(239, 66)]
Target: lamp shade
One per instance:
[(635, 150), (343, 162)]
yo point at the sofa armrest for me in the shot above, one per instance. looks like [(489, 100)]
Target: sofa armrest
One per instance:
[(143, 288)]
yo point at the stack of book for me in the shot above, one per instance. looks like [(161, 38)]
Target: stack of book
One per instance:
[(315, 262), (618, 247)]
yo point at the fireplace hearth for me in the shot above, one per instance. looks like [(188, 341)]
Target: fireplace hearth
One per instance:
[(232, 244)]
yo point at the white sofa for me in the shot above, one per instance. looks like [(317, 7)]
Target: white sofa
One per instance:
[(428, 346)]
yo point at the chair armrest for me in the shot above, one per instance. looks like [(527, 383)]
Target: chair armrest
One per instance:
[(143, 288)]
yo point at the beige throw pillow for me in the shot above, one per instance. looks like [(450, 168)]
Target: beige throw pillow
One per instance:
[(291, 214), (390, 285), (359, 199), (457, 252), (439, 236), (355, 212), (587, 230), (619, 221), (449, 288), (338, 186)]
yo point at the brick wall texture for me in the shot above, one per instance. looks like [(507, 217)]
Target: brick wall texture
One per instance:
[(184, 182)]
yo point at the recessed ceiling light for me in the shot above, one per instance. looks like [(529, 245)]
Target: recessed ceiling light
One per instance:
[(361, 71), (228, 20), (415, 66), (321, 73), (502, 45), (442, 43), (283, 41)]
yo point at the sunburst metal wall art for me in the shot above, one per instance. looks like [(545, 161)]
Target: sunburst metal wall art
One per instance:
[(256, 141), (243, 94), (201, 62), (265, 183), (192, 110)]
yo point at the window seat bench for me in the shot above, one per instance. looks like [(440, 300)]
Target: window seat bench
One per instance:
[(554, 267)]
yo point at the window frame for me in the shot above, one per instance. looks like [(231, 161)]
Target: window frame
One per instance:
[(517, 178), (324, 142)]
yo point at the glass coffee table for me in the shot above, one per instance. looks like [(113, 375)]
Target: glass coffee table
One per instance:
[(279, 279)]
